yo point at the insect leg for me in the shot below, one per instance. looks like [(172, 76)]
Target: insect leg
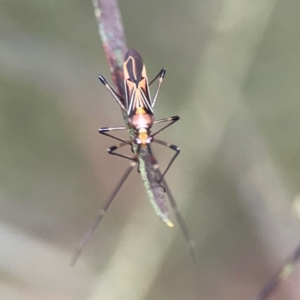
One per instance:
[(111, 150), (172, 120), (161, 76), (104, 130), (101, 213), (117, 97), (181, 222), (172, 147), (105, 207), (158, 75)]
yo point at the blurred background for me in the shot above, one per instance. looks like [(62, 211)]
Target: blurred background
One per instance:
[(233, 71)]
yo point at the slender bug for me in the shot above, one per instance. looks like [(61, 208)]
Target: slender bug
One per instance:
[(138, 108)]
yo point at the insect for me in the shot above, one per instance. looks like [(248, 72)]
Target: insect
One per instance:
[(138, 109)]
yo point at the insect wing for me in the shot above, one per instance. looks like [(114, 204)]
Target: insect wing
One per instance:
[(134, 67), (136, 83)]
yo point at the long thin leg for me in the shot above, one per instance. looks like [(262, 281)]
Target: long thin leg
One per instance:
[(104, 130), (117, 97), (181, 222), (157, 75), (166, 119), (161, 76), (172, 120), (111, 150), (102, 211), (152, 157), (173, 147)]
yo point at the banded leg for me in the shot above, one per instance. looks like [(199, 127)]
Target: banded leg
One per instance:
[(161, 76), (172, 120), (104, 130), (152, 157), (117, 97), (181, 222), (111, 150), (101, 213), (172, 147), (158, 75)]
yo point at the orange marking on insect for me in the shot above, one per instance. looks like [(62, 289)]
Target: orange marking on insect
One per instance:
[(143, 136), (140, 111)]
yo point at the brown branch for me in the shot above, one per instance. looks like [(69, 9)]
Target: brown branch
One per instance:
[(111, 31)]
